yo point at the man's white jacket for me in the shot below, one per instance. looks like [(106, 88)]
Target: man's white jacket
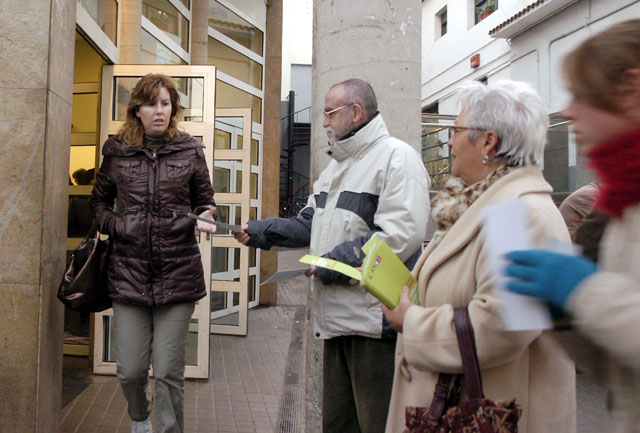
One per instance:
[(375, 185)]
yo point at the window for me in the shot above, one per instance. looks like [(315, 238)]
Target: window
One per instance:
[(166, 17), (233, 26), (484, 8), (441, 22)]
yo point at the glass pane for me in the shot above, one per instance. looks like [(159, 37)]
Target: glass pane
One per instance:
[(239, 142), (154, 52), (235, 64), (222, 139), (255, 151), (252, 257), (219, 260), (109, 340), (192, 343), (231, 319), (227, 176), (228, 96), (84, 112), (218, 301), (435, 151), (80, 218), (236, 299), (167, 18), (222, 215), (190, 91), (254, 185), (252, 286), (253, 213), (186, 3), (105, 14), (556, 155), (82, 158), (238, 215), (221, 179), (236, 258), (233, 26), (238, 180)]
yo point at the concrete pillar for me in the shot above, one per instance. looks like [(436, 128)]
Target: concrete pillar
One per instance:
[(130, 28), (36, 87), (271, 140), (378, 41), (199, 32)]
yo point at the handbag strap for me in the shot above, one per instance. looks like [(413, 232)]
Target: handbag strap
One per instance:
[(467, 345)]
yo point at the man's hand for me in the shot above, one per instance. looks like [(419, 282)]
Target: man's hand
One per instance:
[(204, 226), (396, 316), (243, 235), (311, 271), (547, 275)]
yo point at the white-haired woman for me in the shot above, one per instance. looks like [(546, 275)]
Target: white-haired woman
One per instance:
[(497, 145)]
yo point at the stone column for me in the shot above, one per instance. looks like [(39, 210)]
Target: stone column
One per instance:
[(36, 87), (199, 32), (271, 140), (130, 28), (378, 41)]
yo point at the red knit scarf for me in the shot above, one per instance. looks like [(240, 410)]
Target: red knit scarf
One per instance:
[(617, 164)]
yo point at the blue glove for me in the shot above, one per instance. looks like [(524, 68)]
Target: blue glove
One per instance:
[(547, 275)]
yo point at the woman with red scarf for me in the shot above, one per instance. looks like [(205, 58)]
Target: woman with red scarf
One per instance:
[(602, 302)]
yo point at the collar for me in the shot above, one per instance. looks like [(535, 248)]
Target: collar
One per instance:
[(357, 142), (115, 146)]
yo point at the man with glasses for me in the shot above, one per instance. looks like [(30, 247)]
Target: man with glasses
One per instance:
[(374, 185)]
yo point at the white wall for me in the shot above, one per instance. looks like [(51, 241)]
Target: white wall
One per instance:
[(445, 60), (297, 29), (537, 53)]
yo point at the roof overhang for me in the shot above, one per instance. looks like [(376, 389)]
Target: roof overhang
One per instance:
[(532, 15)]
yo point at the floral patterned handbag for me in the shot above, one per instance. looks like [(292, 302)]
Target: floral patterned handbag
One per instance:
[(476, 415)]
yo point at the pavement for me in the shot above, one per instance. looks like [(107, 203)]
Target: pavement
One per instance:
[(257, 382)]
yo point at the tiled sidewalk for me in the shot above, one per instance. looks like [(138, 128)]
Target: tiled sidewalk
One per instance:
[(249, 377)]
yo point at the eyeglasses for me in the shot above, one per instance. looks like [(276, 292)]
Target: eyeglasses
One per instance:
[(454, 129), (329, 114)]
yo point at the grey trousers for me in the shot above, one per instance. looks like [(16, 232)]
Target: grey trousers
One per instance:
[(144, 334), (357, 381)]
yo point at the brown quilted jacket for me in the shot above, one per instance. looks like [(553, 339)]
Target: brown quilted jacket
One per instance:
[(155, 259)]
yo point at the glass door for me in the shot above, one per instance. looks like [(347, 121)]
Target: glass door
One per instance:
[(196, 85), (234, 267)]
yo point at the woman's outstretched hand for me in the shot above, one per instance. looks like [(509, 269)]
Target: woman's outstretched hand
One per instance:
[(204, 226)]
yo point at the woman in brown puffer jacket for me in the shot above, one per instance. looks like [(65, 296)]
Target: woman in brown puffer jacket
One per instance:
[(152, 175)]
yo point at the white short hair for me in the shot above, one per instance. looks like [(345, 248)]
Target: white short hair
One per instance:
[(515, 111)]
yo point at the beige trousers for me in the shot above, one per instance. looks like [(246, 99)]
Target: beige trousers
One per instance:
[(158, 335)]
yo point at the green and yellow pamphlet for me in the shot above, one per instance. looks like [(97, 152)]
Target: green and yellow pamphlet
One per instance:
[(382, 273)]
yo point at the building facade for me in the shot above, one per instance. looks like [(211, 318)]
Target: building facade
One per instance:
[(524, 40), (68, 69)]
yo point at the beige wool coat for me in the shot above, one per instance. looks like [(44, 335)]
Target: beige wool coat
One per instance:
[(527, 365), (605, 310)]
